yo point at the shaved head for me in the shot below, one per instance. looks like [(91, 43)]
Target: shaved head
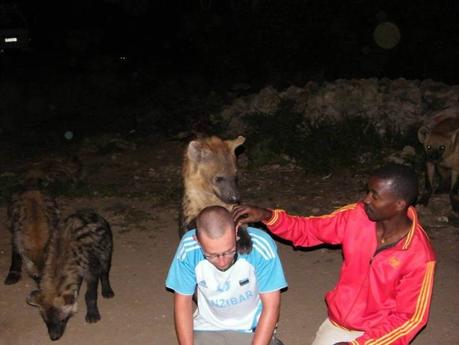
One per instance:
[(214, 222)]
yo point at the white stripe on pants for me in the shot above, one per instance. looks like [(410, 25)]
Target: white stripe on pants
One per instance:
[(329, 334)]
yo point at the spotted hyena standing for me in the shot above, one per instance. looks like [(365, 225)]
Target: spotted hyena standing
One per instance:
[(440, 139), (210, 178), (33, 216), (80, 250)]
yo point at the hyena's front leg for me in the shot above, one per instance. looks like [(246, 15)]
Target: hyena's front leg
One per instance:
[(445, 180), (92, 312), (454, 195), (454, 182), (14, 273), (430, 172), (107, 291)]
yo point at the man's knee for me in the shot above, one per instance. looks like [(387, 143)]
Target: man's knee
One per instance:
[(208, 338), (222, 338), (227, 338)]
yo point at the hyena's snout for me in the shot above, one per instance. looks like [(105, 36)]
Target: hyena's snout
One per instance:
[(234, 199), (55, 334), (435, 155), (227, 189), (56, 328)]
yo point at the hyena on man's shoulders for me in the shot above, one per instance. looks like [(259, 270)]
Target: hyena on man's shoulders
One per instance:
[(80, 250), (209, 175), (33, 217)]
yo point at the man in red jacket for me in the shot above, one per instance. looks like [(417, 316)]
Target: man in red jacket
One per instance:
[(385, 286)]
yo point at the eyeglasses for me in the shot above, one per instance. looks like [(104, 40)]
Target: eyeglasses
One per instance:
[(215, 257)]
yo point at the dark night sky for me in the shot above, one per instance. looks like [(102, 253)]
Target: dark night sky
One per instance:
[(256, 37), (76, 48)]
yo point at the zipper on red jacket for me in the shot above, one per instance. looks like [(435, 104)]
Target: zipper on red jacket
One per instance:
[(382, 248), (378, 250)]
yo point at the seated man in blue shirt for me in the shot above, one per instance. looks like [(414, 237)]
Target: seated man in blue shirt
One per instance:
[(238, 294)]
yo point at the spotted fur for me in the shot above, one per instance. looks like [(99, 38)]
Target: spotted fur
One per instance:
[(80, 250), (209, 175), (33, 217), (440, 139)]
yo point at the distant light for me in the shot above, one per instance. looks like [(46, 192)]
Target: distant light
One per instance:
[(11, 39), (68, 135), (387, 35)]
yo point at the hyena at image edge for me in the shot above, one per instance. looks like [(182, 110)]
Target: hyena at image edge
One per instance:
[(440, 140)]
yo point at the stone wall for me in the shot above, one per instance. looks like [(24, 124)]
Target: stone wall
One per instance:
[(392, 105)]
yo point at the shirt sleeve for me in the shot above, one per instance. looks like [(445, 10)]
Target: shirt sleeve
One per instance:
[(311, 231), (268, 268), (182, 276), (414, 294)]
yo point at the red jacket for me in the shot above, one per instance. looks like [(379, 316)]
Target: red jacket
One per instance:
[(385, 293)]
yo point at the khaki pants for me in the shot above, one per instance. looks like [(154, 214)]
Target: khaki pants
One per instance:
[(226, 338), (329, 334)]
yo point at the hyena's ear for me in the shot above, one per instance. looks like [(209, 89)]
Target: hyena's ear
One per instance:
[(67, 303), (34, 298), (69, 299), (423, 133), (235, 143), (197, 152)]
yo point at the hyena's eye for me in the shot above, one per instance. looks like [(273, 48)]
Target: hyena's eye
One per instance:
[(219, 179), (442, 148), (428, 147)]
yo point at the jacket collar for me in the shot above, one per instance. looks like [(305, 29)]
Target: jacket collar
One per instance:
[(412, 214)]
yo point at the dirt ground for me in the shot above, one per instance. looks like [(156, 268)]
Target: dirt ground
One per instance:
[(143, 215)]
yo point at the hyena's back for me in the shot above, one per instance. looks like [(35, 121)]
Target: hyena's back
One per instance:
[(90, 236), (33, 217), (81, 250)]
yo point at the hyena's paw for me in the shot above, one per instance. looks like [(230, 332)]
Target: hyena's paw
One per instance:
[(92, 316), (108, 293), (442, 190), (12, 278), (36, 278)]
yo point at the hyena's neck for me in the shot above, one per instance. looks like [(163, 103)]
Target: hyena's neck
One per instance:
[(61, 274), (194, 200), (64, 280)]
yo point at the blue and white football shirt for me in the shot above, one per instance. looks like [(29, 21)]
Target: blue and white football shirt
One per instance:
[(227, 300)]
